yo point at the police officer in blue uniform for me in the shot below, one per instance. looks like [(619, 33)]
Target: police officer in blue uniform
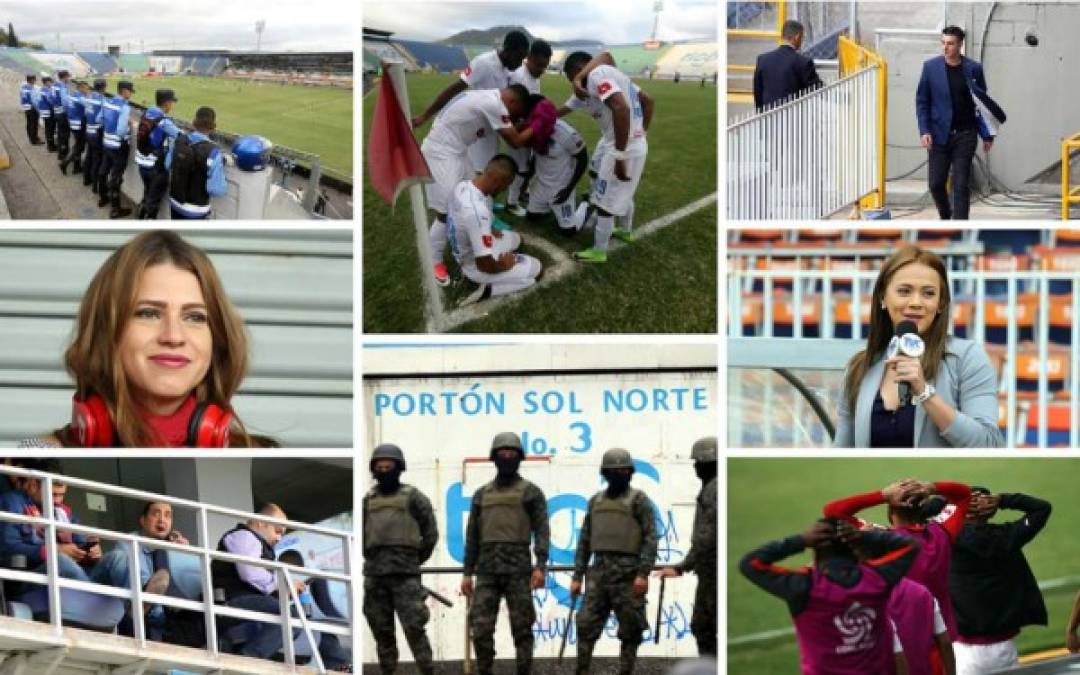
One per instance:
[(76, 117), (116, 142), (155, 136), (196, 169), (92, 107), (61, 98), (45, 109), (27, 98)]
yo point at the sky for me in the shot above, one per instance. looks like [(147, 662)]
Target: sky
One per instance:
[(291, 25), (610, 21)]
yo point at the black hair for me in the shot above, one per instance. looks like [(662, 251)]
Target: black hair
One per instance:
[(515, 41), (955, 31), (506, 160), (521, 94), (147, 505), (291, 557), (534, 99), (31, 78), (205, 119), (540, 49), (833, 547), (574, 61), (790, 29)]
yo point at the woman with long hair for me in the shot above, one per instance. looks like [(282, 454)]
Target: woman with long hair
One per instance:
[(951, 386), (157, 354)]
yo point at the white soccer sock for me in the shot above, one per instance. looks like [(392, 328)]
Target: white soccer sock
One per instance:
[(579, 215), (438, 239), (628, 219), (605, 225), (515, 189)]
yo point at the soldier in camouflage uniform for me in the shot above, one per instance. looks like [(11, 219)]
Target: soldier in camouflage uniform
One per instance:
[(506, 514), (399, 536), (620, 529), (701, 559)]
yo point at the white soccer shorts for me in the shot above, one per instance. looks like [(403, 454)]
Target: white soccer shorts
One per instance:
[(980, 659), (611, 194)]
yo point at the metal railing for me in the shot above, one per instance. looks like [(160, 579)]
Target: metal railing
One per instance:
[(804, 281), (283, 572), (809, 157), (1069, 195)]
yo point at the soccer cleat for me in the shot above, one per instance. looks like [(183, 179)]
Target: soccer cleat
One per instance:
[(517, 210), (591, 255), (442, 276), (482, 292), (500, 224), (625, 236), (119, 212)]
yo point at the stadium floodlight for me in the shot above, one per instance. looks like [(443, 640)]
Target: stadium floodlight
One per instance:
[(658, 7), (260, 26)]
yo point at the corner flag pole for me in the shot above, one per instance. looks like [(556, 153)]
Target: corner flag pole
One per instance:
[(395, 70)]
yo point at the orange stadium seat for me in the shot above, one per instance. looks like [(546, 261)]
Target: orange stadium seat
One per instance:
[(1066, 238), (961, 317), (784, 316), (751, 314), (816, 235), (878, 235), (1027, 372), (843, 316), (997, 319), (761, 236), (946, 234), (1061, 319), (779, 264), (1057, 423)]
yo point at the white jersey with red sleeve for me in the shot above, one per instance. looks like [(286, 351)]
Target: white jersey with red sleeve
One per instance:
[(522, 76), (604, 82), (556, 166), (486, 71), (467, 118), (469, 224)]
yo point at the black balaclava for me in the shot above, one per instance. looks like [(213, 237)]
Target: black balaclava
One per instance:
[(389, 481), (508, 468), (706, 471), (618, 480)]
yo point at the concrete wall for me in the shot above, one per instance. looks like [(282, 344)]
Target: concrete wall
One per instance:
[(558, 407)]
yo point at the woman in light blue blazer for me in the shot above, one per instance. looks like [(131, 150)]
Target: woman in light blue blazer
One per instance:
[(952, 386)]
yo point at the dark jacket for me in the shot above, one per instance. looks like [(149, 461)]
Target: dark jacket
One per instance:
[(781, 74), (25, 539), (933, 104), (993, 590)]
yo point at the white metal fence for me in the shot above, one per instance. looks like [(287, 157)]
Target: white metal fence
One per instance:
[(808, 285), (808, 157), (206, 553)]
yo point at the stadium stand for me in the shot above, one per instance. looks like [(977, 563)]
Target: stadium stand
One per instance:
[(635, 59), (379, 51), (472, 51), (133, 63), (434, 56), (166, 64), (27, 61), (205, 65), (689, 60), (331, 63), (100, 64), (10, 63), (739, 14), (61, 61)]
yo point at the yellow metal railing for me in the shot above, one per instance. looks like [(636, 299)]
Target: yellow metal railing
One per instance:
[(781, 16), (1069, 195), (854, 57)]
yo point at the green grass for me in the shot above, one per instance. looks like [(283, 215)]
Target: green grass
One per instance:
[(664, 283), (773, 498), (318, 120)]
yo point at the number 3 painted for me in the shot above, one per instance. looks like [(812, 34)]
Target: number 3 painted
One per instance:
[(584, 435)]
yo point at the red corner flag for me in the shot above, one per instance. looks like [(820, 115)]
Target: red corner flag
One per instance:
[(394, 159)]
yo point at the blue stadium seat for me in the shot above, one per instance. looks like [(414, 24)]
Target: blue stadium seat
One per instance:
[(442, 58), (102, 64)]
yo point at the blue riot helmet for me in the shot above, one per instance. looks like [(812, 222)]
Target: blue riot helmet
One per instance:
[(252, 153)]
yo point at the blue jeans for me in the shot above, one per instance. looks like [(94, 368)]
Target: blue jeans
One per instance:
[(267, 640)]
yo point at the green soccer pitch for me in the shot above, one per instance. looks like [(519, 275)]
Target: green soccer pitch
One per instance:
[(663, 283)]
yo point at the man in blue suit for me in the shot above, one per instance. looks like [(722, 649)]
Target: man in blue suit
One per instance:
[(954, 111), (784, 72)]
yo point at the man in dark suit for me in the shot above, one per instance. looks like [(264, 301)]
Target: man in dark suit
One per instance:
[(954, 111), (784, 72)]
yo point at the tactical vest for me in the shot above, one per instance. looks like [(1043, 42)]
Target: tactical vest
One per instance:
[(614, 528), (388, 521), (225, 574), (190, 168), (25, 96), (503, 517), (44, 103), (75, 111), (113, 135), (92, 107), (58, 91)]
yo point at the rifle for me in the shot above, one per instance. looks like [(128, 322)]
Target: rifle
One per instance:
[(569, 621), (466, 668), (438, 596)]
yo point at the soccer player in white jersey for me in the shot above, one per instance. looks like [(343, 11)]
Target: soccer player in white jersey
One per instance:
[(558, 169), (528, 75), (624, 112), (486, 255), (471, 117), (490, 70)]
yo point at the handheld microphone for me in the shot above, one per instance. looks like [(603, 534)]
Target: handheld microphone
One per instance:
[(909, 344)]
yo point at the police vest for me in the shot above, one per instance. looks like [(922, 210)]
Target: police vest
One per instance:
[(388, 521), (225, 574), (503, 518), (113, 135), (26, 96), (187, 180), (58, 98), (614, 527), (150, 140), (44, 103), (92, 103), (75, 111)]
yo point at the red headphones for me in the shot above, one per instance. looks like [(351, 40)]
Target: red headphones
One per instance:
[(93, 428)]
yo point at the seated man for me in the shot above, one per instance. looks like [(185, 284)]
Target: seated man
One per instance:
[(559, 165), (486, 256), (154, 523), (254, 587), (78, 555)]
